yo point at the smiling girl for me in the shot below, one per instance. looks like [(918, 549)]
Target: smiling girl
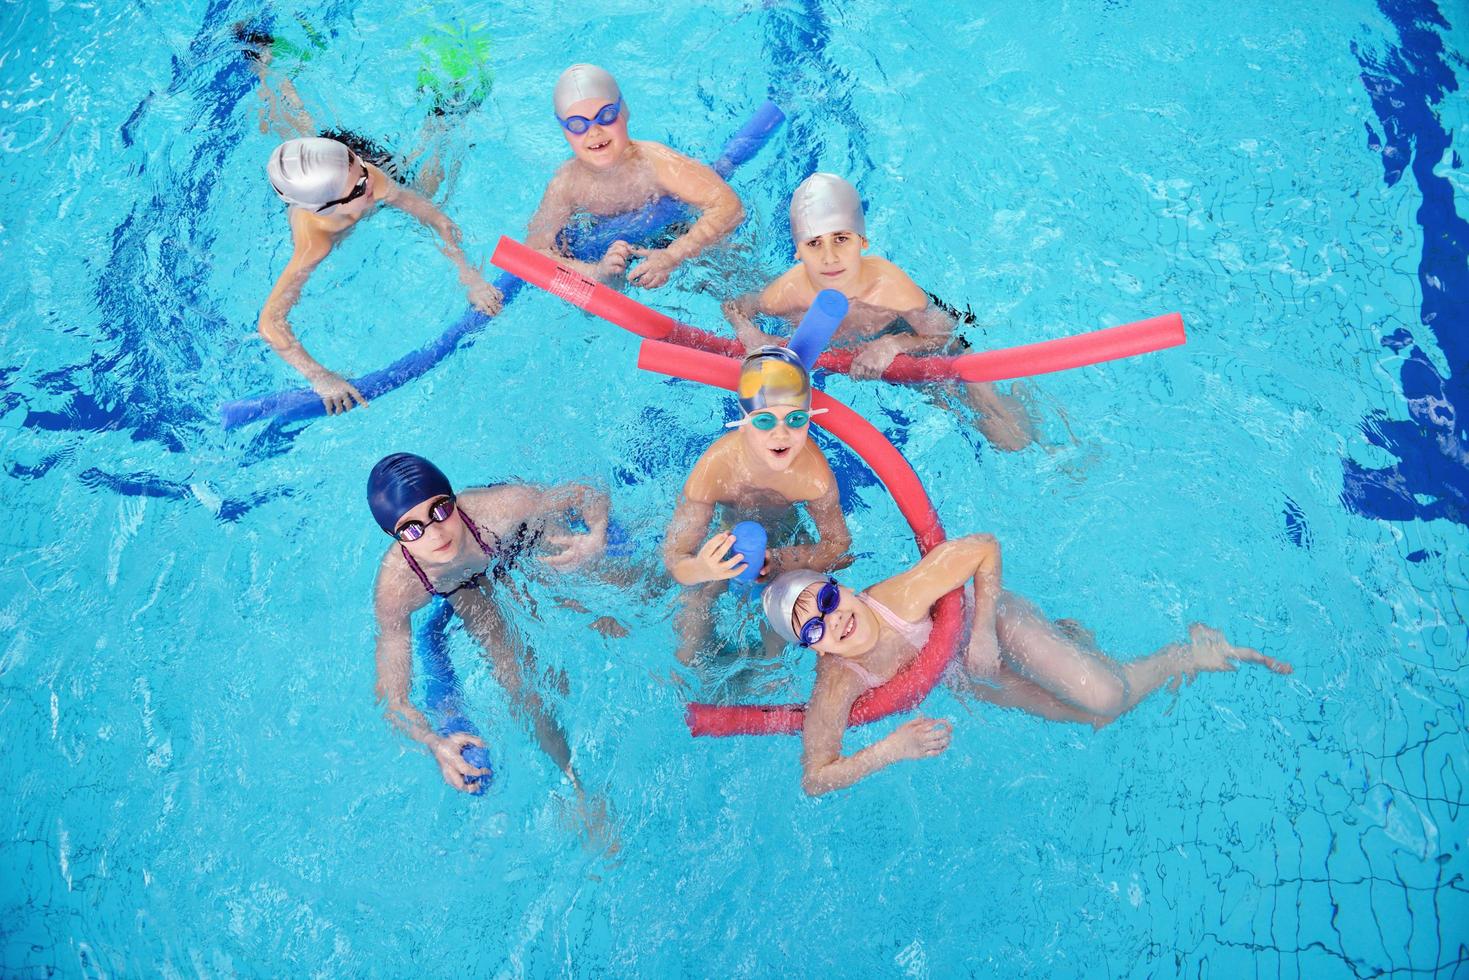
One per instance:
[(457, 547), (1014, 657)]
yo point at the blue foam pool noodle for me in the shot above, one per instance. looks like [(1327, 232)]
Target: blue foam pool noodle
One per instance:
[(817, 326), (441, 691), (588, 245)]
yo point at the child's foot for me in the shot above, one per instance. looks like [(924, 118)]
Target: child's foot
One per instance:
[(1209, 652)]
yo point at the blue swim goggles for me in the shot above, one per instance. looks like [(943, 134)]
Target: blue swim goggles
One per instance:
[(606, 116), (827, 600)]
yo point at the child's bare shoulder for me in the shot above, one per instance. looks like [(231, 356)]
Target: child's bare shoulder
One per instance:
[(788, 293), (712, 472), (894, 289), (813, 473)]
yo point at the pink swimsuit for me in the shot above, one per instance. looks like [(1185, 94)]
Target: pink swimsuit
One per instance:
[(914, 634)]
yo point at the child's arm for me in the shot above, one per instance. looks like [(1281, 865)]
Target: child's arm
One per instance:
[(552, 215), (932, 327), (830, 552), (823, 766), (482, 295), (394, 605), (911, 594), (688, 561), (534, 505), (695, 184), (310, 247), (776, 299)]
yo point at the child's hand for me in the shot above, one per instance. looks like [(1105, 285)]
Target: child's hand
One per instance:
[(874, 358), (452, 764), (655, 268), (710, 567), (337, 393), (922, 738), (576, 549), (483, 296), (614, 261)]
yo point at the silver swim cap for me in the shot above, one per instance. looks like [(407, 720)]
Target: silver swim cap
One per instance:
[(309, 172), (825, 203), (779, 600), (584, 82)]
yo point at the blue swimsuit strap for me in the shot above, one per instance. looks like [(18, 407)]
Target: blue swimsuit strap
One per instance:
[(473, 579)]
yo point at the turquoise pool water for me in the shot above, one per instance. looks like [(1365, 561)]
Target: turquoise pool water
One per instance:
[(196, 779)]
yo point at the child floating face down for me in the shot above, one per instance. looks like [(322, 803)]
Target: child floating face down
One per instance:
[(888, 314), (330, 188), (759, 472), (453, 546), (1014, 656), (609, 173)]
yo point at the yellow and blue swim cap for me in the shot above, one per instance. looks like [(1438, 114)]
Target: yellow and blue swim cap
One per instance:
[(773, 375)]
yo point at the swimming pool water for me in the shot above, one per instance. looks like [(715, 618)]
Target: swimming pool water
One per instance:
[(196, 779)]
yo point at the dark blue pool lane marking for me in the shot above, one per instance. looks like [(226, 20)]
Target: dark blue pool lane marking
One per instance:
[(1297, 531), (1431, 476), (124, 385)]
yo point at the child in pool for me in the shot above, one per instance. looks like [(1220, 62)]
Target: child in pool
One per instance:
[(889, 315), (758, 473), (609, 173), (329, 189), (454, 546), (1015, 657)]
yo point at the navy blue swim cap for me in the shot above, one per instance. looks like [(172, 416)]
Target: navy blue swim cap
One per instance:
[(399, 483)]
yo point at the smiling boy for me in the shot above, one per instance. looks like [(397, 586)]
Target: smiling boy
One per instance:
[(888, 314), (609, 173)]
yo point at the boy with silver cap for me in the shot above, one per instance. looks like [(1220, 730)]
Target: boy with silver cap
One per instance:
[(609, 173), (329, 189), (888, 315), (758, 473)]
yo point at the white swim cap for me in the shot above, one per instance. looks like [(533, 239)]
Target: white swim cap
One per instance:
[(309, 172), (779, 600), (583, 82), (825, 203)]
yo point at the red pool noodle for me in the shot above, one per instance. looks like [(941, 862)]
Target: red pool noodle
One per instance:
[(913, 683), (1107, 344)]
